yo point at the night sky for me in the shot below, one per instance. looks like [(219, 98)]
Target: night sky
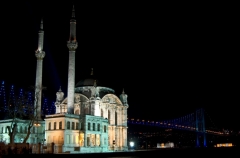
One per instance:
[(169, 58)]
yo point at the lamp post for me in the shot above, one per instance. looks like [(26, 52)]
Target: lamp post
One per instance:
[(43, 143)]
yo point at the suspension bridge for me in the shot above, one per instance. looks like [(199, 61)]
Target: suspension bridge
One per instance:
[(194, 122)]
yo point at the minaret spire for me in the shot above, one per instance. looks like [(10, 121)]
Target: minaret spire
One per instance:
[(72, 46), (72, 36), (40, 36), (92, 72), (73, 12), (41, 25), (40, 54)]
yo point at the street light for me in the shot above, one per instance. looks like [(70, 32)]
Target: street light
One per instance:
[(36, 124), (131, 144)]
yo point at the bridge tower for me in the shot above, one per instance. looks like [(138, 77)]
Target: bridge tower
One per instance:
[(200, 127)]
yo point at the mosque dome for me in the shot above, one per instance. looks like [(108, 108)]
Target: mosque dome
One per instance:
[(89, 81), (85, 86)]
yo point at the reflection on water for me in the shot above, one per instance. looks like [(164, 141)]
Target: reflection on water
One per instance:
[(125, 157)]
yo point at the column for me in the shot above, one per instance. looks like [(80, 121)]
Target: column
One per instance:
[(85, 139), (101, 140), (121, 136), (110, 135), (124, 136), (113, 133)]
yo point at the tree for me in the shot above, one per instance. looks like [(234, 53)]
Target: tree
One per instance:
[(20, 109), (32, 117), (14, 112)]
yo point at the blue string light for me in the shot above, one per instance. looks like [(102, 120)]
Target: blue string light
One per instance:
[(3, 102)]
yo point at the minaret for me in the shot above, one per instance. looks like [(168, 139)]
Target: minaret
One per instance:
[(40, 54), (72, 46)]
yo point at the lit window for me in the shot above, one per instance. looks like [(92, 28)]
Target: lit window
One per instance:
[(60, 125), (73, 125), (68, 125), (77, 126), (105, 129), (89, 126), (98, 127), (55, 126), (115, 118)]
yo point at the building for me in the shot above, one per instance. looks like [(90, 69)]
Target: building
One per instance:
[(37, 131), (99, 122), (90, 119)]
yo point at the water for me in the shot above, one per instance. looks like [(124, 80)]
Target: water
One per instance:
[(186, 152)]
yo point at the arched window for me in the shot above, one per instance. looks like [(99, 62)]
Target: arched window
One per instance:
[(77, 125), (101, 112), (25, 129), (21, 131), (33, 129), (60, 125), (93, 126), (116, 118), (89, 126), (109, 116), (98, 127), (68, 125), (6, 130), (73, 125), (55, 125), (49, 126), (105, 129)]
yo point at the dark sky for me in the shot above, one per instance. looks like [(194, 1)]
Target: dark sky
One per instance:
[(169, 58)]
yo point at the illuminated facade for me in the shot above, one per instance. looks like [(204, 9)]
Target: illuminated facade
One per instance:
[(91, 119), (99, 122), (37, 132)]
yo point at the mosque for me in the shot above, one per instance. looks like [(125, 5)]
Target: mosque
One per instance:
[(90, 119)]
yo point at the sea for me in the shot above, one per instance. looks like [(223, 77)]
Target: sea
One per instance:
[(150, 153)]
